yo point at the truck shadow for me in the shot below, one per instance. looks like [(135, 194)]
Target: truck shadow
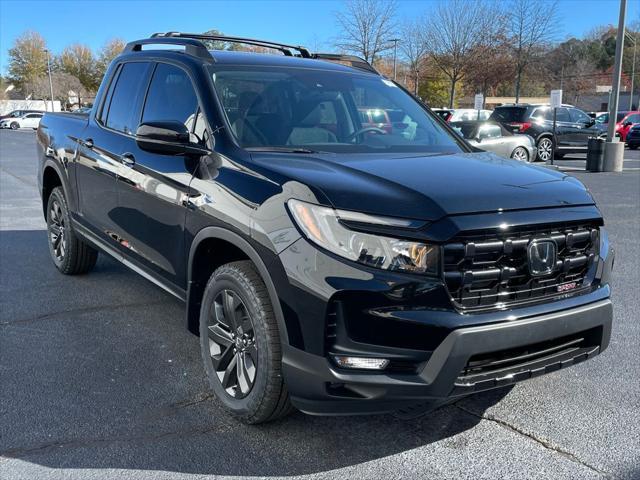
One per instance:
[(98, 371)]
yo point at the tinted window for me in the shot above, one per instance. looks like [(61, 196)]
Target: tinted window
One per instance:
[(579, 116), (171, 97), (124, 108), (635, 118), (509, 114), (562, 115), (277, 107)]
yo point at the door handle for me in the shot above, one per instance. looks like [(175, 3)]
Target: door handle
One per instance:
[(88, 142), (128, 159)]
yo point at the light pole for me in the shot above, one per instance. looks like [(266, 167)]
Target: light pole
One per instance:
[(633, 66), (50, 81), (395, 55), (613, 150)]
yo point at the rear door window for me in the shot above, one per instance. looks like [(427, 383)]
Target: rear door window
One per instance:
[(562, 115), (579, 116), (125, 103)]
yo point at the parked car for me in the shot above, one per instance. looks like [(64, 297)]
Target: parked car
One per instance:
[(624, 125), (375, 118), (18, 113), (443, 113), (573, 127), (324, 267), (468, 114), (603, 118), (633, 137), (493, 137), (27, 120)]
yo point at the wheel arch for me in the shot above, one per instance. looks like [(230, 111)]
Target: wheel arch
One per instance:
[(52, 178), (195, 285)]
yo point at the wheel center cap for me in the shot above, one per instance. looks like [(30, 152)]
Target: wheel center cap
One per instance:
[(238, 343)]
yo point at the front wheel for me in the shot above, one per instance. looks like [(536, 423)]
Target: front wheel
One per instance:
[(545, 149), (520, 153), (15, 126), (240, 344), (70, 254)]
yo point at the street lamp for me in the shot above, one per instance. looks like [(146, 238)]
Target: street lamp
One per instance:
[(50, 81), (395, 55)]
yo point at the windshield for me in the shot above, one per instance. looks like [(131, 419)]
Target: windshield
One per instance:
[(323, 110), (604, 117)]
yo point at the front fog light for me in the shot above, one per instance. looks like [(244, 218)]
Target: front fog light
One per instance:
[(361, 362)]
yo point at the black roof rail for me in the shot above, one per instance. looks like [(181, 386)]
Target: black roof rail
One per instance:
[(192, 47), (351, 60), (283, 47), (192, 42)]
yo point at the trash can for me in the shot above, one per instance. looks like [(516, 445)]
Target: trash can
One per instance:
[(595, 154)]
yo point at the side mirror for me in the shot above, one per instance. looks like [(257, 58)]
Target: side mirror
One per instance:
[(627, 124), (167, 138)]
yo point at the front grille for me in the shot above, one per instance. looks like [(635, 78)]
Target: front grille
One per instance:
[(490, 269)]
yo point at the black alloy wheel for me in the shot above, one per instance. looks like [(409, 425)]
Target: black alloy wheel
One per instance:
[(232, 344), (57, 231)]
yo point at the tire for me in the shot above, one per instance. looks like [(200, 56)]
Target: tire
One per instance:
[(15, 126), (545, 149), (521, 154), (237, 288), (70, 254)]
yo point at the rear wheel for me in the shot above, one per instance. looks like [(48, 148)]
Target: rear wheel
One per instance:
[(545, 149), (240, 344), (520, 153), (70, 254)]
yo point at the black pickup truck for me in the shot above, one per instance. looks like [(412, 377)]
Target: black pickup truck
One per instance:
[(327, 264)]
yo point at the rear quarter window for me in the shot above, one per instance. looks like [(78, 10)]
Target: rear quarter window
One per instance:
[(509, 114)]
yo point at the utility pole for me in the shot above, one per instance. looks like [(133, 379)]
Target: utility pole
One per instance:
[(633, 66), (395, 56), (50, 81), (415, 92), (613, 150)]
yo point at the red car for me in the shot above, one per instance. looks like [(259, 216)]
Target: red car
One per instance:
[(628, 121)]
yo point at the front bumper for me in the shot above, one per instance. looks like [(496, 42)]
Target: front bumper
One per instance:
[(318, 387)]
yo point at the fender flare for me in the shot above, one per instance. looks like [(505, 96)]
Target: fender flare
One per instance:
[(64, 181), (239, 242)]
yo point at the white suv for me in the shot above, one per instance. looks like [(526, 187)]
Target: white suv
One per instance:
[(28, 120)]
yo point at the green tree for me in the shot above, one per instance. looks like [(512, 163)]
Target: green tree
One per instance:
[(27, 60)]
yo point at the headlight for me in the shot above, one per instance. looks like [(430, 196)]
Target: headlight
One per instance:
[(322, 226)]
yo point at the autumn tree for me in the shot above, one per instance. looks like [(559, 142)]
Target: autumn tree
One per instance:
[(78, 60), (27, 60), (107, 53), (367, 27)]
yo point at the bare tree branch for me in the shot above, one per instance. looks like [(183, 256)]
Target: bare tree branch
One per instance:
[(367, 27)]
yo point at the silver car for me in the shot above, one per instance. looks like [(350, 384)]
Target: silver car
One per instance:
[(493, 137)]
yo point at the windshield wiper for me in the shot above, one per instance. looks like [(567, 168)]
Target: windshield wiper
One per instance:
[(281, 149)]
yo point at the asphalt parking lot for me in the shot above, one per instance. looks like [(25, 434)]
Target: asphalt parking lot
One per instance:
[(100, 379)]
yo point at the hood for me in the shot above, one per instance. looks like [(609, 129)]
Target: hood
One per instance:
[(427, 187)]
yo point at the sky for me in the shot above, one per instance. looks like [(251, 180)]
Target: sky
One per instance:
[(307, 22)]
